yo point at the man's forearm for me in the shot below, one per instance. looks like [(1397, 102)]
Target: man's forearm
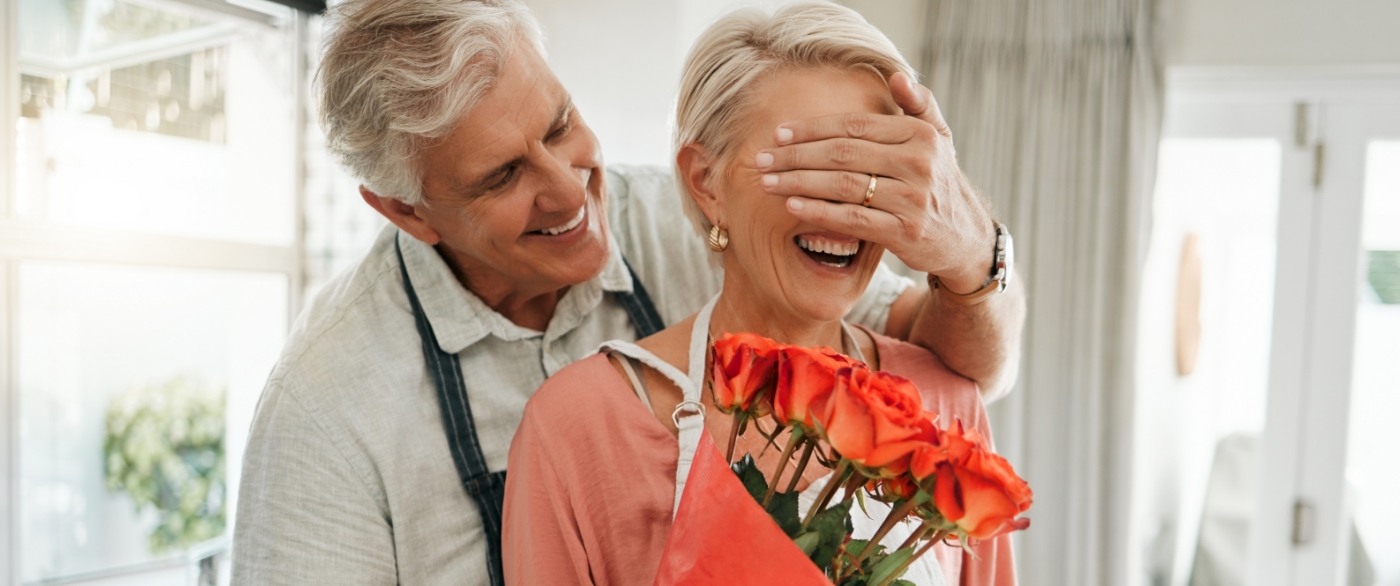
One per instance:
[(981, 342)]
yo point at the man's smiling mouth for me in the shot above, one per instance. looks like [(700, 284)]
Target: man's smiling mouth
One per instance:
[(565, 227)]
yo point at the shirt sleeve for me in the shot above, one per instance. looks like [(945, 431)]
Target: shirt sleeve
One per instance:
[(540, 541), (872, 310), (304, 515)]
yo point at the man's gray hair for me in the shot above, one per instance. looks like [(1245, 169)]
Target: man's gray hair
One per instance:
[(399, 74), (747, 45)]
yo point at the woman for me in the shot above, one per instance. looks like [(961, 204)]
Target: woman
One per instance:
[(593, 468)]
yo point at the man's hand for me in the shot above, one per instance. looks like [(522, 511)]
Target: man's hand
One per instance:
[(924, 210)]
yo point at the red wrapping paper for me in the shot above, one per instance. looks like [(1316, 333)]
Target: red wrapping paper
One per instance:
[(721, 535)]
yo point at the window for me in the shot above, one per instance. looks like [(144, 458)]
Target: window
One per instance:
[(152, 253)]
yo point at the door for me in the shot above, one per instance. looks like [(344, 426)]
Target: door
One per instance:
[(1284, 456), (1349, 440)]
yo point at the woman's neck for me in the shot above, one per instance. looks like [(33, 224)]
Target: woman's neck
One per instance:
[(740, 312)]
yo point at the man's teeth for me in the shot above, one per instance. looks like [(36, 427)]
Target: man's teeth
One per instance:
[(828, 246), (557, 230)]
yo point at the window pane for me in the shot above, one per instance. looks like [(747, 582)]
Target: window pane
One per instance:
[(1375, 387), (142, 118), (137, 386)]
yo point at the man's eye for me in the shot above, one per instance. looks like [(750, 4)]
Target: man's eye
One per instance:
[(505, 177), (561, 131)]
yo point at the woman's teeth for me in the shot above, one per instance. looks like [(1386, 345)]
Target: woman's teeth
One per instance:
[(557, 230), (829, 252)]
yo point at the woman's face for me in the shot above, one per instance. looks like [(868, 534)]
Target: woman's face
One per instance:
[(797, 268)]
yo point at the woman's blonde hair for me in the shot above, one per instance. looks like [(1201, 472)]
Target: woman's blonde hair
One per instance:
[(399, 74), (751, 43)]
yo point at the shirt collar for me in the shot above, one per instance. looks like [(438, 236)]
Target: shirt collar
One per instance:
[(459, 318)]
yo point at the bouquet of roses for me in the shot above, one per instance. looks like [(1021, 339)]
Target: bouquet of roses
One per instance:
[(870, 429)]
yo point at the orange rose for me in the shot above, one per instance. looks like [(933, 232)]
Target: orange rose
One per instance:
[(745, 366), (974, 488), (892, 489), (871, 416), (805, 379)]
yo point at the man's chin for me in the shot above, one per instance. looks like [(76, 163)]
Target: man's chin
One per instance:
[(581, 267)]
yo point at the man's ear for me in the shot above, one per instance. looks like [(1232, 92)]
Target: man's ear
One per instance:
[(402, 215), (698, 170)]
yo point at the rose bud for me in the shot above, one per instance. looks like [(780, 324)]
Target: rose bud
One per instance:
[(805, 379), (745, 367), (977, 489)]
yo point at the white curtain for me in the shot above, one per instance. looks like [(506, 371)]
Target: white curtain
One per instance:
[(1055, 107)]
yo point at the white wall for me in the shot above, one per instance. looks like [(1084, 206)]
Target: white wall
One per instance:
[(622, 59), (1284, 32)]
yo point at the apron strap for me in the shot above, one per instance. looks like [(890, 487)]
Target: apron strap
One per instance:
[(639, 307), (486, 488)]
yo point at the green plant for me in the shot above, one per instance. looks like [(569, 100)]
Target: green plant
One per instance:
[(164, 447), (1384, 275)]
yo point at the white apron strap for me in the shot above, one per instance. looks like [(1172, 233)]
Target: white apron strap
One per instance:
[(689, 415)]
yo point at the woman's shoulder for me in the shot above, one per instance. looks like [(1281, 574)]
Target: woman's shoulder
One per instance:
[(585, 391), (944, 392)]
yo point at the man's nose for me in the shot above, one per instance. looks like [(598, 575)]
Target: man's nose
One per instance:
[(564, 187)]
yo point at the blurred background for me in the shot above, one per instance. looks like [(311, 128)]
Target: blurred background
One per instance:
[(1205, 196)]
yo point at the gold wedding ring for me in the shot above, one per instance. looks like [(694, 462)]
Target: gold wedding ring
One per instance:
[(869, 192)]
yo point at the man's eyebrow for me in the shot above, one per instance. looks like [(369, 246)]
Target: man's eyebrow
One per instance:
[(562, 115), (484, 184)]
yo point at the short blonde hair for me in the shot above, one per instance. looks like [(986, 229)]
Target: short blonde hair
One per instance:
[(398, 74), (750, 43)]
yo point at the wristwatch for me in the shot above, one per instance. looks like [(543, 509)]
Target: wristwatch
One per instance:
[(1002, 258)]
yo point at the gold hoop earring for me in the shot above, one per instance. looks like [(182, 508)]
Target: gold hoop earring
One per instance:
[(719, 238)]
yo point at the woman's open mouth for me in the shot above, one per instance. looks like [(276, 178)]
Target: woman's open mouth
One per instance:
[(829, 252)]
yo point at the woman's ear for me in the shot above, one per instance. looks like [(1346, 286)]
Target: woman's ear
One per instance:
[(698, 171)]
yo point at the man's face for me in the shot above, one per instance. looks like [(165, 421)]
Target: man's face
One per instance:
[(516, 192)]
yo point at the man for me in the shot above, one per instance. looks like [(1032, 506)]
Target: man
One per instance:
[(378, 451)]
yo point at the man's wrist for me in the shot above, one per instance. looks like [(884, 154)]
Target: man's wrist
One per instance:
[(977, 272), (995, 279)]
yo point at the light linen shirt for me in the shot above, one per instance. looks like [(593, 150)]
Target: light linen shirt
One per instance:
[(347, 478)]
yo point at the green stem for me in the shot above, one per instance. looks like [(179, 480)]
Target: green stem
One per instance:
[(838, 481), (856, 481), (801, 464), (894, 518), (793, 439), (826, 493), (918, 554), (915, 536), (734, 435)]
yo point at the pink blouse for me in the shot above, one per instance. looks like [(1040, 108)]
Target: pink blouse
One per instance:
[(592, 477)]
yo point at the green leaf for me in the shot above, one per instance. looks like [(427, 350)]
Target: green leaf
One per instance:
[(752, 477), (833, 524), (902, 583), (860, 498), (887, 567), (808, 542), (783, 509)]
